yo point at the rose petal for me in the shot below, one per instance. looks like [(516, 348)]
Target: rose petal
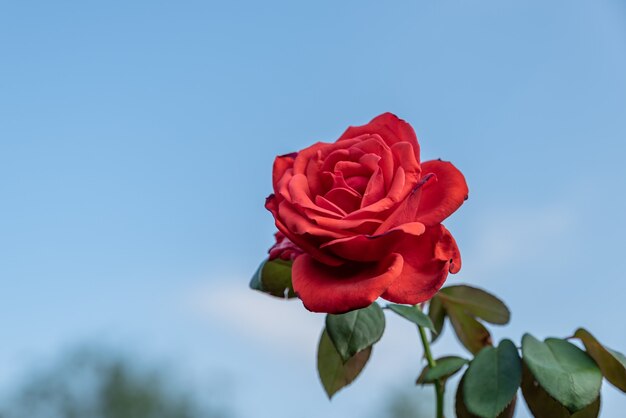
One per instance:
[(407, 210), (446, 249), (391, 128), (333, 158), (376, 150), (299, 225), (442, 197), (281, 187), (319, 150), (378, 208), (271, 204), (427, 261), (375, 189), (351, 168), (346, 199), (404, 157), (366, 248), (358, 183), (338, 182), (370, 161), (313, 175), (300, 196), (322, 202), (281, 164), (283, 249), (358, 226), (371, 144), (341, 289)]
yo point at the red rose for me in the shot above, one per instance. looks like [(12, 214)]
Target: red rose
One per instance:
[(367, 216)]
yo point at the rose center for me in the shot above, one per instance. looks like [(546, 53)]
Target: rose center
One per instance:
[(346, 181)]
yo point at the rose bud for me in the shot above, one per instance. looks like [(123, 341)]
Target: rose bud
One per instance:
[(284, 249)]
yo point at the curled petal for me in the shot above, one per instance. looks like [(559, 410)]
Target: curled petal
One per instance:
[(281, 164), (313, 175), (283, 249), (370, 161), (352, 168), (301, 241), (394, 195), (300, 196), (319, 151), (427, 261), (322, 202), (375, 189), (301, 161), (375, 149), (358, 183), (367, 248), (333, 158), (341, 289), (281, 187), (347, 199), (407, 210), (390, 127), (446, 249), (300, 225), (442, 197), (371, 144), (359, 226), (337, 181), (403, 154)]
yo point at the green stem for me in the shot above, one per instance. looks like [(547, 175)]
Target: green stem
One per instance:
[(439, 387)]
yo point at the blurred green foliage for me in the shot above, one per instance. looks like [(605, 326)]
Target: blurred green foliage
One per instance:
[(401, 402), (101, 383), (97, 384)]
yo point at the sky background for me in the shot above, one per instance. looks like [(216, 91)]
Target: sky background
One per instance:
[(136, 144)]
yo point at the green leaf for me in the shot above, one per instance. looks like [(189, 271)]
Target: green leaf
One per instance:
[(471, 333), (446, 367), (413, 314), (333, 372), (437, 315), (356, 330), (541, 404), (492, 380), (463, 412), (566, 372), (476, 302), (274, 278), (611, 363)]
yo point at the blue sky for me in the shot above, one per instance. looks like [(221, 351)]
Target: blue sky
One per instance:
[(136, 143)]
